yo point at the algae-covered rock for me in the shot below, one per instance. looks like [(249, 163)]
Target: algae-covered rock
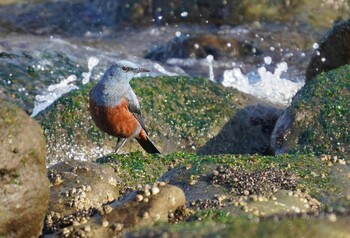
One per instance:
[(180, 114), (227, 191), (24, 192), (318, 119)]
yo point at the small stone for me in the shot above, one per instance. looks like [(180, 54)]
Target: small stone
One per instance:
[(162, 184), (145, 215), (139, 197), (107, 209), (246, 193), (105, 223), (155, 190), (87, 228), (332, 218), (119, 226)]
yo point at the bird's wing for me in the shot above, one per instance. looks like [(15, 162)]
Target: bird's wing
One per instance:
[(134, 107)]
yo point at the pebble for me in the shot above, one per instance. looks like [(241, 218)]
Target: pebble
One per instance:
[(139, 197), (155, 190), (105, 223), (332, 218)]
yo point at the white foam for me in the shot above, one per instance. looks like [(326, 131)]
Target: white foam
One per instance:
[(92, 62), (52, 93), (264, 84), (162, 70), (210, 60), (55, 91)]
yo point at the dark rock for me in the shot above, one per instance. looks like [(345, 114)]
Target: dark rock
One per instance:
[(318, 119), (200, 47), (248, 132), (24, 192), (333, 51)]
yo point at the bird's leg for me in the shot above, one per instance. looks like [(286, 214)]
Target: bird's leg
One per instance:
[(120, 143)]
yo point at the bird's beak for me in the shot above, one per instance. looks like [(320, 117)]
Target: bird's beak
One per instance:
[(139, 70)]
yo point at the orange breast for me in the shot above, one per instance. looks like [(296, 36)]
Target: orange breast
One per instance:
[(117, 121)]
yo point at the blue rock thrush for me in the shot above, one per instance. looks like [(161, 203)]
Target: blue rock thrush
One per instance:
[(115, 109)]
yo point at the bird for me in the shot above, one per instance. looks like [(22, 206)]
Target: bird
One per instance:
[(115, 109)]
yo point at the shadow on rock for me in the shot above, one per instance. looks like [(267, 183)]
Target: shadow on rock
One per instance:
[(248, 132)]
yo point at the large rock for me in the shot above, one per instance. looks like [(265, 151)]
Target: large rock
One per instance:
[(318, 119), (77, 187), (146, 206), (180, 113), (333, 51), (24, 185)]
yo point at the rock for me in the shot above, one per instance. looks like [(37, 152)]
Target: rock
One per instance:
[(318, 119), (78, 188), (130, 211), (333, 51), (179, 112), (248, 132), (24, 192), (77, 185), (201, 46), (153, 207)]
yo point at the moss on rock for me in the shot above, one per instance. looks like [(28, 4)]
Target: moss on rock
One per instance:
[(319, 118), (181, 114)]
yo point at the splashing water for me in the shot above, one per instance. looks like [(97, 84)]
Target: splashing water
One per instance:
[(264, 84), (55, 91), (92, 62)]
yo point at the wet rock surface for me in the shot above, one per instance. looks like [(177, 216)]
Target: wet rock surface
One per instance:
[(24, 192), (318, 119), (333, 51), (175, 119)]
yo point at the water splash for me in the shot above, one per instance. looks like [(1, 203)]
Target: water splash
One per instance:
[(210, 60), (272, 87), (92, 62), (55, 91)]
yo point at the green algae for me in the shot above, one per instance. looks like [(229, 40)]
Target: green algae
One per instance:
[(325, 102), (235, 226), (312, 175), (180, 114)]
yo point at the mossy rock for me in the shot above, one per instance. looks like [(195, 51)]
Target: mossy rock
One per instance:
[(318, 119), (244, 227), (213, 209), (180, 114), (319, 178)]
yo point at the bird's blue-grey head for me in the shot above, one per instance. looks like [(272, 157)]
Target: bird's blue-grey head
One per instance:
[(122, 72)]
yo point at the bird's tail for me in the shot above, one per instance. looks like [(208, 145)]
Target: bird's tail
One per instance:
[(148, 145)]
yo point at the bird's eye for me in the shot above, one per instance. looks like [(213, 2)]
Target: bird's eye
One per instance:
[(124, 68)]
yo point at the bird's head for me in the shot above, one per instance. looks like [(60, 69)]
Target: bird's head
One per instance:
[(123, 71)]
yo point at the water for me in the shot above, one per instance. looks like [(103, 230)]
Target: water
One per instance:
[(275, 76)]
